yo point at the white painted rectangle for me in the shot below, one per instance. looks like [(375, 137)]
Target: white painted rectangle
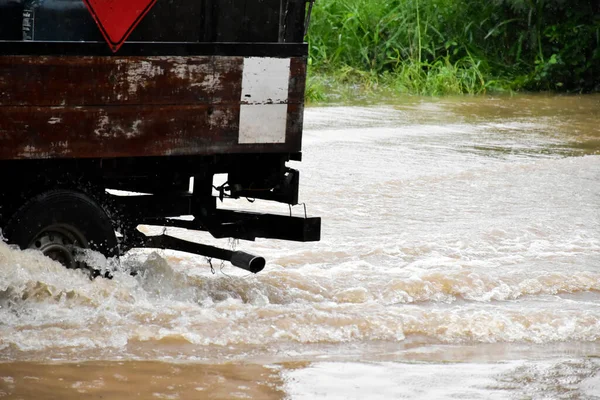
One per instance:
[(265, 80), (263, 123), (265, 94)]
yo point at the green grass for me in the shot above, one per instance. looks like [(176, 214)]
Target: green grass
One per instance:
[(410, 78), (370, 48)]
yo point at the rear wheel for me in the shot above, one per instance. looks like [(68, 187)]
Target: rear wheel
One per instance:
[(60, 223)]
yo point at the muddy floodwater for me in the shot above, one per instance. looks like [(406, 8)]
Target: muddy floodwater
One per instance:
[(460, 259)]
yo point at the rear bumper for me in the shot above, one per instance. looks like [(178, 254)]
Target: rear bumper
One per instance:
[(162, 210)]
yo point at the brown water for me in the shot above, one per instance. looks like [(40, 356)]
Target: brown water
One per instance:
[(460, 259)]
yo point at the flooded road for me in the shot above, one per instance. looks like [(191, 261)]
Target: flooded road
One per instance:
[(460, 259)]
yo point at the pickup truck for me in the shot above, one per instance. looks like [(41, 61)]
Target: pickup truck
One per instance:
[(153, 98)]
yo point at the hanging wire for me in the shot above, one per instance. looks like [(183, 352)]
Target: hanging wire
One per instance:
[(308, 15), (232, 244), (212, 269), (223, 272)]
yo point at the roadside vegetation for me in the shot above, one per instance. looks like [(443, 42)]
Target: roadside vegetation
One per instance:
[(439, 47)]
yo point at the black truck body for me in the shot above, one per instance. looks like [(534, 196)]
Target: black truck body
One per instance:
[(201, 87)]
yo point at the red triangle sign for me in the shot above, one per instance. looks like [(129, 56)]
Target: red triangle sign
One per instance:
[(118, 18)]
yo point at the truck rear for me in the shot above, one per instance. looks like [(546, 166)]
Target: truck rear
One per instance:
[(188, 89)]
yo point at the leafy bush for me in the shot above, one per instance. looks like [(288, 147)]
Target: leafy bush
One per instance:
[(451, 46)]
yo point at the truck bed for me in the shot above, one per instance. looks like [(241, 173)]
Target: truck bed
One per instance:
[(197, 77), (205, 100)]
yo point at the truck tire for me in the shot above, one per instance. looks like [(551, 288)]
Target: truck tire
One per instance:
[(61, 222)]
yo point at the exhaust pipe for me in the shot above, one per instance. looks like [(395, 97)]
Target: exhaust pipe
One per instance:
[(248, 262), (238, 259)]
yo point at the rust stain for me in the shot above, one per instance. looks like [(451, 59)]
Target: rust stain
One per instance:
[(88, 107), (70, 81)]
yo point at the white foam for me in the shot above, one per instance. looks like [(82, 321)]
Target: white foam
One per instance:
[(348, 381)]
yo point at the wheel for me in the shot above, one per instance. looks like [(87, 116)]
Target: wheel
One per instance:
[(59, 223)]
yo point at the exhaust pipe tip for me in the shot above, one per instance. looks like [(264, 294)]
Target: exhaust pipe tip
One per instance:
[(248, 262)]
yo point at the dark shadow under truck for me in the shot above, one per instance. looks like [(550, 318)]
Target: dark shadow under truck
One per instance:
[(201, 87)]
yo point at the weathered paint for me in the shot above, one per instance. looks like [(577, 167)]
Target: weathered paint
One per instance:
[(94, 81), (265, 80), (263, 123), (100, 107), (265, 95)]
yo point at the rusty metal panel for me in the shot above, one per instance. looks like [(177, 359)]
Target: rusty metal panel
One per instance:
[(104, 107), (297, 81), (128, 131), (82, 81)]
